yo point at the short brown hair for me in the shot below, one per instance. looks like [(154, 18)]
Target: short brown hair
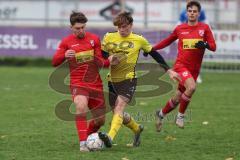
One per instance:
[(123, 18), (77, 17), (194, 3)]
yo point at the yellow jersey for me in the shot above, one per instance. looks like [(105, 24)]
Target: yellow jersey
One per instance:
[(127, 49)]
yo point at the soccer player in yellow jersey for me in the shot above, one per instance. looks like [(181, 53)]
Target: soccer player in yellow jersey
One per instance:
[(126, 45)]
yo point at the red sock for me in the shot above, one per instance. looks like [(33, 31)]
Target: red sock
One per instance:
[(184, 101), (81, 124), (92, 127), (169, 107)]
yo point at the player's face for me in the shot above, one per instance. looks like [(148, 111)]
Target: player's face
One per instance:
[(125, 29), (193, 14), (79, 29)]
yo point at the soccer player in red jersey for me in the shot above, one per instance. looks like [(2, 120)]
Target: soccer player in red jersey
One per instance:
[(82, 51), (194, 37)]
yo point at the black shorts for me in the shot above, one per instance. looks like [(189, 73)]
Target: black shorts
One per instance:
[(124, 88)]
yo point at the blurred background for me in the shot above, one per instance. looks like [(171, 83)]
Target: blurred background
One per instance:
[(33, 28)]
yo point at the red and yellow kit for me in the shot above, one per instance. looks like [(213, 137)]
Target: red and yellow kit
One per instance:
[(84, 68), (189, 57)]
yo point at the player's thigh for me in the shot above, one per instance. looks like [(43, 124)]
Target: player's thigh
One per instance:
[(80, 98), (190, 84), (184, 73), (126, 89), (188, 79), (81, 103), (121, 103)]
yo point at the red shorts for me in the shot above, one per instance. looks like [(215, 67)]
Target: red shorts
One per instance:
[(184, 73), (95, 96)]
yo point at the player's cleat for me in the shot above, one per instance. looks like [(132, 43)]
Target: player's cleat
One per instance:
[(180, 121), (137, 139), (84, 148), (106, 139), (159, 121)]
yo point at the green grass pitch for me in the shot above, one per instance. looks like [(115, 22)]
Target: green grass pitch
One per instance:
[(30, 130)]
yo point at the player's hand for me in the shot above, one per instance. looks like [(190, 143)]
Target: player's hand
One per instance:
[(201, 45), (174, 75), (114, 60), (69, 54)]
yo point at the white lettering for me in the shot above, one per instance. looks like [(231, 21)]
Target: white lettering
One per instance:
[(17, 42), (31, 44), (52, 43), (7, 43), (24, 41)]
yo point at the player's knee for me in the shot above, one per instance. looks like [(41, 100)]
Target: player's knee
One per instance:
[(80, 108), (126, 118), (118, 110), (120, 105), (191, 88), (80, 100)]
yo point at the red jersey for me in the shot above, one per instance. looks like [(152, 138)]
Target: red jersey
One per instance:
[(189, 56), (84, 68)]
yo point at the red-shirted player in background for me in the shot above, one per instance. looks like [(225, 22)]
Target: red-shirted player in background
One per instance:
[(82, 50), (194, 37)]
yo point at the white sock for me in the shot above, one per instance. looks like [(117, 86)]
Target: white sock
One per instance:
[(161, 114), (180, 115)]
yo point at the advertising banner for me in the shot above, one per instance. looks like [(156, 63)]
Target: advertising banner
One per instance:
[(42, 42)]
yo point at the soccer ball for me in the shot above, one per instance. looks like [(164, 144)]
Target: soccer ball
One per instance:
[(94, 143)]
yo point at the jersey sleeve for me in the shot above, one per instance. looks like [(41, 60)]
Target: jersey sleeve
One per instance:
[(59, 56), (104, 42), (167, 41), (146, 46), (210, 39), (101, 62)]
